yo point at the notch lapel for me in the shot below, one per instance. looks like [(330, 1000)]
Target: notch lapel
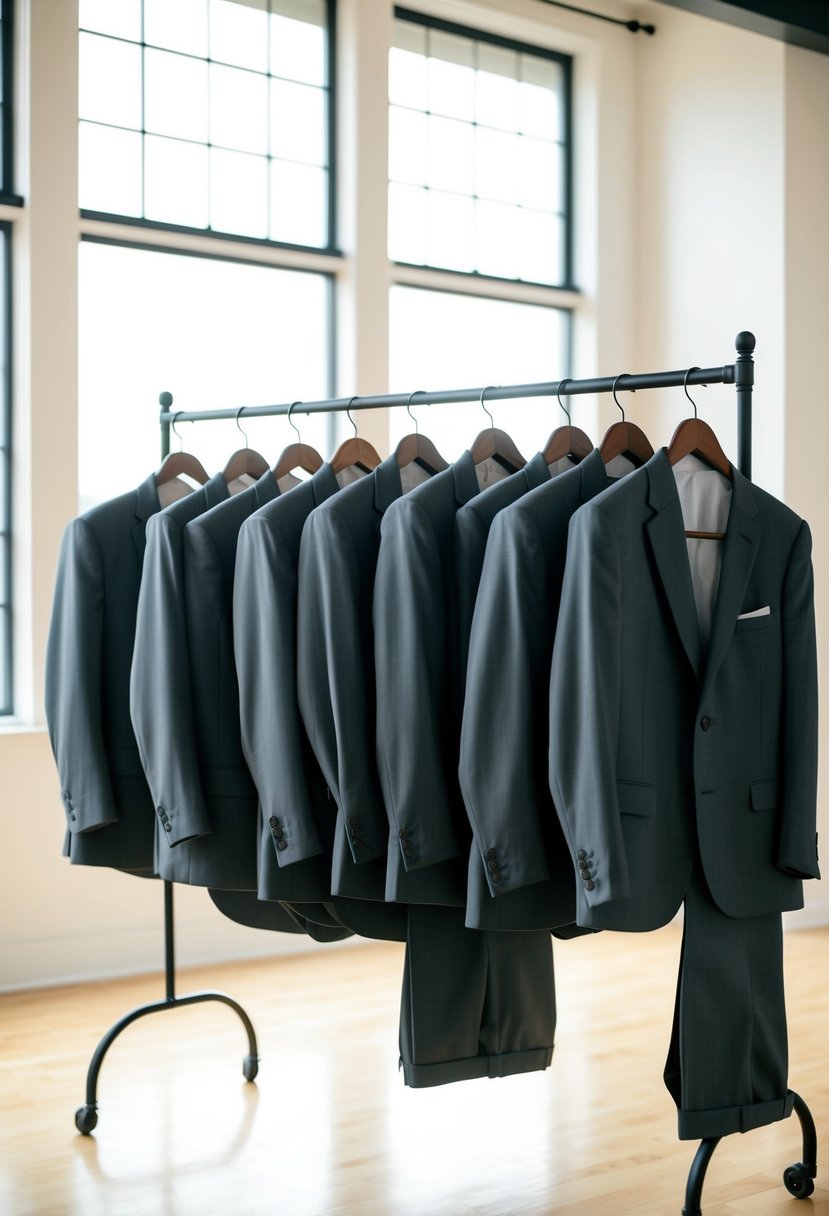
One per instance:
[(146, 504), (742, 541), (666, 531)]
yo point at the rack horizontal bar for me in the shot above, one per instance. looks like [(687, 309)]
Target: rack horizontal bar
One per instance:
[(503, 392)]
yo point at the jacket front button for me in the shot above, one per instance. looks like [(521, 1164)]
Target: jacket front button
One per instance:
[(282, 844), (705, 723)]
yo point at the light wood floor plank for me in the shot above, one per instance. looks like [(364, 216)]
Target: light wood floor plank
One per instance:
[(329, 1129)]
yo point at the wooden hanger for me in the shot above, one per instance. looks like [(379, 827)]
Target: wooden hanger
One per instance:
[(354, 451), (625, 438), (418, 449), (693, 437), (494, 444), (297, 455), (179, 464), (244, 460), (566, 440)]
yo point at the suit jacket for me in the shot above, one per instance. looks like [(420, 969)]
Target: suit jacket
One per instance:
[(519, 854), (297, 813), (419, 693), (161, 699), (225, 857), (91, 635), (660, 753), (336, 687)]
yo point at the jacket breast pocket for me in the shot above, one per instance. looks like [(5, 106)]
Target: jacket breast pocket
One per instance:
[(749, 623), (763, 795), (636, 798)]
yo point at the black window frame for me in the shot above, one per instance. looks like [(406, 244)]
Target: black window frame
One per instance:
[(427, 21), (331, 248)]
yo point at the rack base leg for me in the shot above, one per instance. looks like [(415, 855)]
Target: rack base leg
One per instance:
[(86, 1117), (696, 1176)]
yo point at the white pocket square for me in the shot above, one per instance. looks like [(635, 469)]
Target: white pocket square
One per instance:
[(757, 612)]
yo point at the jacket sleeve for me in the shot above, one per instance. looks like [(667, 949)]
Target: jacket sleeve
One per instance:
[(797, 853), (503, 760), (73, 682), (161, 699), (336, 679), (415, 731), (585, 696), (264, 643)]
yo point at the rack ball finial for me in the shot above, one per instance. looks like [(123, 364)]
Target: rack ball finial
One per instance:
[(745, 342), (165, 400)]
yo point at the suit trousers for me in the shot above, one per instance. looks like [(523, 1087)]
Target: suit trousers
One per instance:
[(728, 1057), (474, 1004)]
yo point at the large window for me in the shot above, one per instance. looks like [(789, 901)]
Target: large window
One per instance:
[(6, 196), (478, 153), (208, 114)]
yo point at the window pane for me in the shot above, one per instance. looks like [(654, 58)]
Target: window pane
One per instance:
[(109, 169), (175, 181), (496, 164), (451, 164), (407, 69), (215, 334), (407, 224), (298, 41), (180, 26), (465, 341), (119, 17), (497, 242), (238, 109), (539, 175), (451, 231), (539, 98), (540, 247), (239, 33), (299, 204), (407, 145), (109, 85), (451, 76), (496, 94), (298, 122), (238, 193), (175, 95)]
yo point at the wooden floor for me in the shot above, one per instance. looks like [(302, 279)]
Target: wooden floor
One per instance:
[(329, 1129)]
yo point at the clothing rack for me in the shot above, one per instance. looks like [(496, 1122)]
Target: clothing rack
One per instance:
[(798, 1178)]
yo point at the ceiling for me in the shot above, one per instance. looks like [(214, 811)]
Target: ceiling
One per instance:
[(801, 22)]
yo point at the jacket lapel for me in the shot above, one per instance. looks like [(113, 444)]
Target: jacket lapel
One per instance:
[(146, 504), (666, 530), (742, 541)]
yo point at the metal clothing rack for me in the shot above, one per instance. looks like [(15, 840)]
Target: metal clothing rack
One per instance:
[(798, 1178)]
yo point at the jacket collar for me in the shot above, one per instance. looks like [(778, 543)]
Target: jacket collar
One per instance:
[(324, 483), (215, 491), (146, 504), (666, 530), (594, 478), (465, 478), (387, 484), (265, 489), (536, 471)]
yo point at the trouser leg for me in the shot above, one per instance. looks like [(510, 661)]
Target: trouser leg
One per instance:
[(474, 1004), (728, 1058)]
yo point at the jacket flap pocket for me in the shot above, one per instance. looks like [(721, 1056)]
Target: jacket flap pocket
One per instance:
[(636, 798), (763, 795)]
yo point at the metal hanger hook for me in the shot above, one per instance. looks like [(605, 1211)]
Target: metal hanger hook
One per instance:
[(175, 432), (409, 408), (291, 421), (615, 398), (483, 407), (564, 408), (685, 388), (348, 412), (238, 416)]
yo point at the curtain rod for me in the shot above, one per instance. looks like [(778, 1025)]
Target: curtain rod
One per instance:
[(635, 27)]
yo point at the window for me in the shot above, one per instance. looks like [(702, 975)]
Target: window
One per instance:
[(5, 477), (208, 115), (479, 176)]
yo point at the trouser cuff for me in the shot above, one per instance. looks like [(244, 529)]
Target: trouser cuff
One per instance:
[(700, 1124), (421, 1076)]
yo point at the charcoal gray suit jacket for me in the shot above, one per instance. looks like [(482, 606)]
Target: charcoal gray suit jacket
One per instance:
[(519, 855), (659, 753), (107, 803)]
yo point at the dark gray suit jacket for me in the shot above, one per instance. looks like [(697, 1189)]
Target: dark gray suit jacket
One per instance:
[(105, 796), (659, 753), (336, 687), (505, 733), (419, 693), (161, 699), (298, 814)]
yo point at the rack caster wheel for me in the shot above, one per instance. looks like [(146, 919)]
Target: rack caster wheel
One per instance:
[(86, 1118), (250, 1067), (798, 1180)]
